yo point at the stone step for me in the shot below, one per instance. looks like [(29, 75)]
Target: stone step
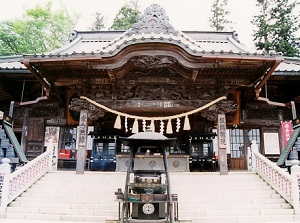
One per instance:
[(68, 200), (62, 218), (233, 201), (254, 212), (63, 211), (67, 194), (104, 206), (207, 197), (256, 219), (229, 196), (218, 206)]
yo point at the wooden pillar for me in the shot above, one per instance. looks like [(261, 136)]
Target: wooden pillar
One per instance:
[(222, 144), (82, 139)]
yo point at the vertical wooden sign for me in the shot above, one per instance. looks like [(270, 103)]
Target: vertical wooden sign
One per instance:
[(82, 140), (222, 144)]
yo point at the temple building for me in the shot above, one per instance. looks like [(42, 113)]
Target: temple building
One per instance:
[(204, 88)]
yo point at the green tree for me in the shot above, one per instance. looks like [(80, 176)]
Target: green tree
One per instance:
[(276, 27), (261, 21), (39, 30), (126, 17), (285, 27), (218, 20), (99, 22)]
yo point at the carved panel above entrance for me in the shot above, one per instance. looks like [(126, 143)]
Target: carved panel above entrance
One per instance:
[(153, 62)]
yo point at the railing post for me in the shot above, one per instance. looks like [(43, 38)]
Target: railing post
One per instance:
[(249, 158), (4, 183), (295, 174), (51, 149), (253, 148)]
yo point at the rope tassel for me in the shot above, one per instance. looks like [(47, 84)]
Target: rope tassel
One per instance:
[(177, 125), (152, 126), (126, 124), (169, 127), (186, 125), (118, 122), (135, 127)]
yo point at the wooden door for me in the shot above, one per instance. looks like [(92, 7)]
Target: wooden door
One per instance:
[(35, 138), (240, 139)]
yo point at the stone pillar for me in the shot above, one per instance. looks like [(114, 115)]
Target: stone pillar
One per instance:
[(4, 183), (295, 174), (222, 144), (82, 140)]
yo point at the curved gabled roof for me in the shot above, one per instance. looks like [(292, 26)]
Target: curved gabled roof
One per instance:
[(153, 27), (152, 43)]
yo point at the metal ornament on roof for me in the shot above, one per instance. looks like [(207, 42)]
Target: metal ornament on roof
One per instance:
[(154, 19)]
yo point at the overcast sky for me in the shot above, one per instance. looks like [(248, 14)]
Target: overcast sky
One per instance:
[(185, 15)]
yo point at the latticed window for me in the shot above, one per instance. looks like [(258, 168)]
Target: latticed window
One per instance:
[(68, 138), (240, 139)]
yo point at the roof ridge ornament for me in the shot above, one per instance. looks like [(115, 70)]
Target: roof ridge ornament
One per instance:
[(154, 20)]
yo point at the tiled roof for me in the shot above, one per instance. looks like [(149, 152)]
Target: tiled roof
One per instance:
[(153, 27), (207, 42), (11, 63), (289, 65)]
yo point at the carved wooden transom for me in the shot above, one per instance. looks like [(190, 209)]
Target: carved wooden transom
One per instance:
[(153, 62)]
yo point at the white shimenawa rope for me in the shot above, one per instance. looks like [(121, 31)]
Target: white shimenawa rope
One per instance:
[(154, 118)]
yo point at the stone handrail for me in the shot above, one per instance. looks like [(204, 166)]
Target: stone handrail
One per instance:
[(279, 179), (13, 184)]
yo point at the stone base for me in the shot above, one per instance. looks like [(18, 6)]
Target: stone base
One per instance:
[(150, 221)]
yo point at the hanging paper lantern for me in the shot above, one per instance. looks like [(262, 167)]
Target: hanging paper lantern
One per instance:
[(169, 127), (118, 122), (135, 127), (186, 125)]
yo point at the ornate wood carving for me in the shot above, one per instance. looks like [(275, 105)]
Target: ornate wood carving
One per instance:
[(78, 104), (111, 75), (152, 92), (194, 74), (260, 111), (155, 106), (226, 106), (152, 62)]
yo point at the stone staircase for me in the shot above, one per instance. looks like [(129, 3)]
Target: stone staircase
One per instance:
[(203, 197), (237, 197)]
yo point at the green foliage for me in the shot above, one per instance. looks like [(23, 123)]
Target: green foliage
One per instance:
[(218, 20), (276, 27), (99, 22), (126, 17), (9, 40), (39, 30), (284, 29)]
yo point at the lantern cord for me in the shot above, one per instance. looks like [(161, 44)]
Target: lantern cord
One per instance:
[(154, 118)]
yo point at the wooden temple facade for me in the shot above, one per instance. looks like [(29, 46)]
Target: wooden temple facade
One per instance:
[(151, 71)]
